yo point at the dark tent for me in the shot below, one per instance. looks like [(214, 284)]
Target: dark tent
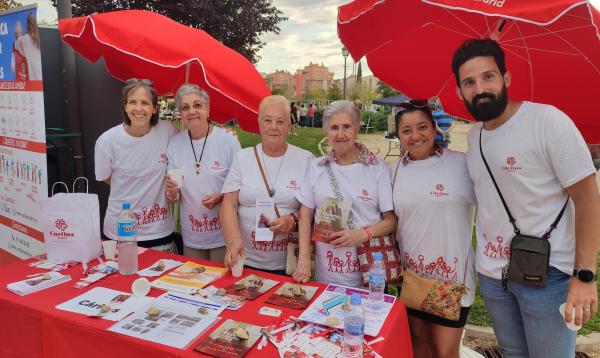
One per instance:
[(391, 101)]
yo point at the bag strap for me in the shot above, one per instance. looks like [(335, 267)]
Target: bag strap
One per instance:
[(59, 182), (262, 173), (395, 175), (510, 217), (87, 184), (336, 191)]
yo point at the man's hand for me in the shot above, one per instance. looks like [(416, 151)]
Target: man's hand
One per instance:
[(584, 297)]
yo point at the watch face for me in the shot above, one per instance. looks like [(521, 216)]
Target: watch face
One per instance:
[(585, 275)]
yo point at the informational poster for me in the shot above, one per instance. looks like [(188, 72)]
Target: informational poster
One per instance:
[(23, 172)]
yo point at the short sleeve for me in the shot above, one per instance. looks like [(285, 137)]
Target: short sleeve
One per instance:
[(567, 152), (103, 158), (384, 188), (306, 193), (233, 182)]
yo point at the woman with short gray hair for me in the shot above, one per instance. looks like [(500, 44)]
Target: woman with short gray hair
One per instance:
[(204, 152), (348, 191)]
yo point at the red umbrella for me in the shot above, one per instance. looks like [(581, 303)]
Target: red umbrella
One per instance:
[(552, 48), (143, 44)]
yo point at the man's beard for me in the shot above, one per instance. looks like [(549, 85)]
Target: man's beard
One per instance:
[(486, 111)]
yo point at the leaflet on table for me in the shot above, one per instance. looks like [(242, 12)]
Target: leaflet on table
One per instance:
[(159, 267), (119, 304), (42, 262), (37, 283), (265, 215), (198, 304), (232, 339), (374, 320), (293, 295), (332, 216), (215, 294), (251, 286), (97, 273), (189, 278), (165, 323)]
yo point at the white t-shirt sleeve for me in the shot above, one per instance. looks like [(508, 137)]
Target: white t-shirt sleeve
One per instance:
[(171, 154), (103, 158), (384, 188), (566, 149), (305, 196), (233, 182)]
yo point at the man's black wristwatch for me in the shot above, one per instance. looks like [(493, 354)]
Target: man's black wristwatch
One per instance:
[(584, 275)]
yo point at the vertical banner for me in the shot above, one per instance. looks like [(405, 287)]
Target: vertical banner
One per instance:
[(23, 173)]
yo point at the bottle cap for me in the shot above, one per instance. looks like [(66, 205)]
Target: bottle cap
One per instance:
[(378, 256), (355, 299), (126, 205)]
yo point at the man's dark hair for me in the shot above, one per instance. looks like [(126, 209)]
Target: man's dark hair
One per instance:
[(477, 48)]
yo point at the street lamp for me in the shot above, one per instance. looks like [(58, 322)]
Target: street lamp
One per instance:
[(345, 53)]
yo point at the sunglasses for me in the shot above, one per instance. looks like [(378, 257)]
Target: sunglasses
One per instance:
[(143, 81), (412, 104)]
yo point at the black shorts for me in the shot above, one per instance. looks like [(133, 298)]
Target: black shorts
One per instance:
[(172, 237), (462, 320)]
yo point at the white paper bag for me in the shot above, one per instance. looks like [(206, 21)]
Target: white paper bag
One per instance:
[(71, 226)]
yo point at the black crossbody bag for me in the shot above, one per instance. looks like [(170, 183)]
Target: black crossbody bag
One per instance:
[(529, 255)]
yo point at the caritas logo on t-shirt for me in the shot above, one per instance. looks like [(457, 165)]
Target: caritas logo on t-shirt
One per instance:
[(163, 158), (216, 165), (62, 226), (364, 195), (511, 165), (439, 191), (293, 185)]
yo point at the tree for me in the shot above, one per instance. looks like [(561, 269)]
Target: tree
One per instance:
[(334, 93), (359, 72), (363, 93), (317, 94), (238, 24), (9, 4), (385, 90)]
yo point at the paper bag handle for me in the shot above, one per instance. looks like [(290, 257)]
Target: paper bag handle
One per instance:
[(59, 182), (87, 184)]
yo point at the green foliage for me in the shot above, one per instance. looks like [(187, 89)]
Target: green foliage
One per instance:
[(385, 90), (359, 72), (238, 24), (378, 120), (307, 138), (9, 4), (334, 93)]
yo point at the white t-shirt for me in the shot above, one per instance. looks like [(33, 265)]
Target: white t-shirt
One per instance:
[(245, 176), (534, 155), (33, 55), (433, 200), (137, 168), (369, 189), (201, 226)]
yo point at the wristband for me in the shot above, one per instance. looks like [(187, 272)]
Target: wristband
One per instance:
[(369, 233)]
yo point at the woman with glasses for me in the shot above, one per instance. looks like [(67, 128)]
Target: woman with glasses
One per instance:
[(132, 158), (433, 200), (204, 152), (259, 210), (349, 194)]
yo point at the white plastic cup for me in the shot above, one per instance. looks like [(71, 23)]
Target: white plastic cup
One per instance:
[(238, 268), (140, 287), (177, 176), (110, 249), (571, 325)]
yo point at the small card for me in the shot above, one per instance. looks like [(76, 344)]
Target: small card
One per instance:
[(335, 304), (265, 214), (268, 311)]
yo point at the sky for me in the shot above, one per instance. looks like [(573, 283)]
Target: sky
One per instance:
[(309, 35)]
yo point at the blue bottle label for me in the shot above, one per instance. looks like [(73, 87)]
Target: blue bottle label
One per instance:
[(355, 329), (126, 229)]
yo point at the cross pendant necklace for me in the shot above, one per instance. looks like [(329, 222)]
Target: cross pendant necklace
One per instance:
[(197, 164)]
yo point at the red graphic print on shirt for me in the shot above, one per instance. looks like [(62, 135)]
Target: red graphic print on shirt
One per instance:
[(364, 195), (511, 165), (274, 245), (204, 224), (293, 185), (496, 250), (156, 213), (341, 264), (216, 165), (163, 158), (439, 191), (438, 268)]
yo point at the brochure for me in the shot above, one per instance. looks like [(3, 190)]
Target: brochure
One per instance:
[(37, 283), (332, 216), (159, 267), (105, 303), (219, 295), (189, 278), (293, 296), (317, 312), (42, 262), (265, 214), (232, 339), (167, 321), (182, 301), (97, 273), (251, 287)]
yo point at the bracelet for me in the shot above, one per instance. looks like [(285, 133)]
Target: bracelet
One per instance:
[(369, 233)]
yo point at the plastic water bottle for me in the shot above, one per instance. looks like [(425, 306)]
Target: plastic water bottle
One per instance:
[(127, 245), (376, 282), (354, 328)]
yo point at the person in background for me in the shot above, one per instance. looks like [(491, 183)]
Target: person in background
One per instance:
[(310, 113), (204, 152), (294, 118), (444, 123), (132, 158), (303, 116), (284, 167)]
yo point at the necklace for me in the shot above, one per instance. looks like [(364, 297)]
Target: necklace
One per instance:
[(272, 184), (197, 165)]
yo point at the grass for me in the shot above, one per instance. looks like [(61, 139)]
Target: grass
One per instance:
[(307, 138)]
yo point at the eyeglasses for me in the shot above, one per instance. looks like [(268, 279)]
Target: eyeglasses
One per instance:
[(143, 81)]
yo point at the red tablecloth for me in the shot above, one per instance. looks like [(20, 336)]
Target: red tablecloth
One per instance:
[(31, 326)]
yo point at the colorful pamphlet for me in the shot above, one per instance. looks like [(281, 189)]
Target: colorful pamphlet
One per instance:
[(232, 339), (97, 273), (189, 278), (159, 267), (265, 214), (251, 286), (220, 296), (332, 216), (37, 283), (293, 296)]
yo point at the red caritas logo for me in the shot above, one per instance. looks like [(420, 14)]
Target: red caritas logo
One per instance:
[(216, 165), (439, 191), (293, 185), (61, 225), (511, 165), (364, 195), (163, 158)]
